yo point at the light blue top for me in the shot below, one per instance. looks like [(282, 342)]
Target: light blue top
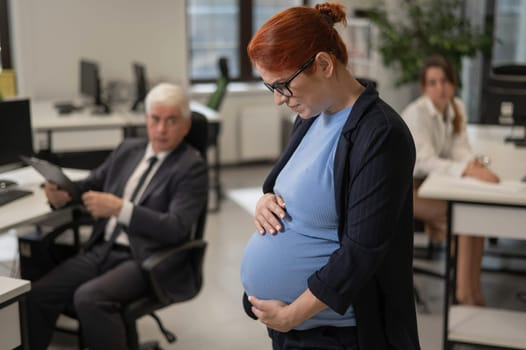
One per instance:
[(278, 266)]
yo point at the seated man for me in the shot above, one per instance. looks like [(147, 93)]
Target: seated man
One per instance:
[(146, 196)]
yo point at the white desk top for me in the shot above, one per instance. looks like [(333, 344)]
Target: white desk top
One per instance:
[(469, 190), (45, 117), (12, 287), (33, 207), (508, 161)]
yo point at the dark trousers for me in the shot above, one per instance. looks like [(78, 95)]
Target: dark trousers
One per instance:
[(320, 338), (97, 288)]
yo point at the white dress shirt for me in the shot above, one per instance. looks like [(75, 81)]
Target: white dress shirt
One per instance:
[(126, 212), (438, 148)]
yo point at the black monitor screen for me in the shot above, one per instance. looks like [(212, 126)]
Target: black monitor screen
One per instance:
[(89, 78), (506, 85), (90, 86), (141, 85), (505, 97), (16, 136)]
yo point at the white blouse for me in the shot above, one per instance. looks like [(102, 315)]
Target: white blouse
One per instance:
[(438, 149)]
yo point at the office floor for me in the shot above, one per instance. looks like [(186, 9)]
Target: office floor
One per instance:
[(215, 320)]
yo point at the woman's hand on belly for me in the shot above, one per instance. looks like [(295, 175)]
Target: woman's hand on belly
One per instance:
[(283, 317), (269, 208), (272, 313)]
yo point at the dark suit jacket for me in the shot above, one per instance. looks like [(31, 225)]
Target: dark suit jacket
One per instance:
[(169, 206), (372, 269)]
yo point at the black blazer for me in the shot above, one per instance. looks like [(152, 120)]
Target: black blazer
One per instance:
[(372, 269), (169, 206)]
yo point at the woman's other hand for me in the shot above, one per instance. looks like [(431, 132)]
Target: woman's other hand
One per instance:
[(269, 208), (478, 171), (272, 313)]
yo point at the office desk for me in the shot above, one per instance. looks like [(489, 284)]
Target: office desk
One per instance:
[(33, 208), (104, 132), (13, 330), (45, 119), (489, 211)]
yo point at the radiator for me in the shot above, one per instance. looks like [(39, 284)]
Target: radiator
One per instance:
[(259, 130)]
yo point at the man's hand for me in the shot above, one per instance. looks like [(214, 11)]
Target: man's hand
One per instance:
[(102, 204), (269, 208), (55, 196)]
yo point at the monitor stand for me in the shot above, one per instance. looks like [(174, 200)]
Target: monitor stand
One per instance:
[(518, 141), (101, 109), (138, 106)]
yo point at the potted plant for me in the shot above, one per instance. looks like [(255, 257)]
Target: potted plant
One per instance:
[(429, 27)]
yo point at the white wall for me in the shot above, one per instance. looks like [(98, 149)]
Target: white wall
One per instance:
[(49, 38)]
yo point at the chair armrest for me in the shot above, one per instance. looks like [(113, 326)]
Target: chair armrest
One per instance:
[(164, 258)]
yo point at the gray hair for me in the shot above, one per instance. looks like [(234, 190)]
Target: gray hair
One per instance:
[(171, 95)]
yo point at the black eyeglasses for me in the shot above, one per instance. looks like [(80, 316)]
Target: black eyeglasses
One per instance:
[(283, 88)]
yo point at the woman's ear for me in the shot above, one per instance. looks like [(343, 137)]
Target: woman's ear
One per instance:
[(325, 63)]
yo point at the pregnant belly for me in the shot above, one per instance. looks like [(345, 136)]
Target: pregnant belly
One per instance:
[(277, 267)]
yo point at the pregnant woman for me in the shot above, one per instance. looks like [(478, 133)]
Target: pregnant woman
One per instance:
[(330, 265)]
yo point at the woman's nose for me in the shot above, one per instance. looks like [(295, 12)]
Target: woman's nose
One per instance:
[(279, 98)]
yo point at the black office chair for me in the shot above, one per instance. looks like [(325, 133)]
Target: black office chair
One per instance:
[(159, 266), (215, 102), (162, 263)]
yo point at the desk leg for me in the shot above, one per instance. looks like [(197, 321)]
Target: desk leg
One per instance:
[(24, 336), (49, 134), (447, 288)]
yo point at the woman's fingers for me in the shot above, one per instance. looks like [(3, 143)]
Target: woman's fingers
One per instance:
[(268, 211)]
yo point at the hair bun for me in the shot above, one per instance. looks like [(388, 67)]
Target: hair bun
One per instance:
[(332, 12)]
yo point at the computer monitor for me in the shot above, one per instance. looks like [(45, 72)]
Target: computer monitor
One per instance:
[(16, 136), (140, 85), (90, 86), (505, 98)]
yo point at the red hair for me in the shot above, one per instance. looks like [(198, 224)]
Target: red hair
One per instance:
[(292, 36)]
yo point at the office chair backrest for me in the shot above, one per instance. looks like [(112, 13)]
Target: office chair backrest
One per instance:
[(216, 99), (198, 138), (198, 134)]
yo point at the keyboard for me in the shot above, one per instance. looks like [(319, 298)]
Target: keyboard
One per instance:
[(11, 194)]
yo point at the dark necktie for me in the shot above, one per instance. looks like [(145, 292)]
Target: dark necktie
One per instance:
[(152, 160), (118, 227)]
